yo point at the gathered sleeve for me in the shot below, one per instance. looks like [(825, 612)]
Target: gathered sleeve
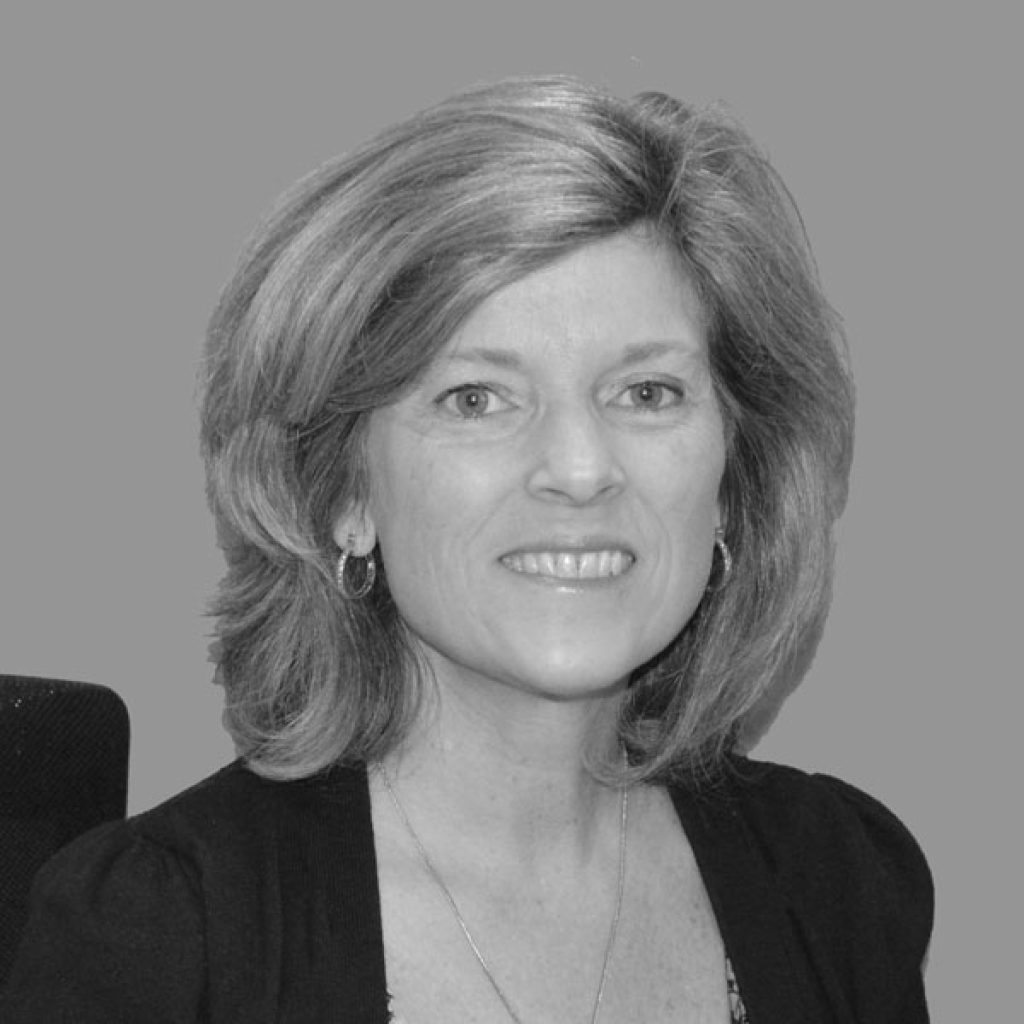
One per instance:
[(115, 934), (886, 900), (859, 893)]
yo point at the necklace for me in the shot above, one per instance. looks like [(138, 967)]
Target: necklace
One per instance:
[(450, 899)]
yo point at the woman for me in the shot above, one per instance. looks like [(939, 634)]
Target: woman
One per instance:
[(526, 427)]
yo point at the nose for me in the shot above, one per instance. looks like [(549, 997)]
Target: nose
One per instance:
[(574, 458)]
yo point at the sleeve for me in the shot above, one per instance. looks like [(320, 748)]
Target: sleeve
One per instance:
[(862, 894), (115, 935), (897, 887)]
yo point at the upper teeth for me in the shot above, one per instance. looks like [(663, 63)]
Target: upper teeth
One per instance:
[(570, 565)]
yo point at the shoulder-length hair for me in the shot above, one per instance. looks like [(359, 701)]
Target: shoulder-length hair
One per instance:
[(366, 268)]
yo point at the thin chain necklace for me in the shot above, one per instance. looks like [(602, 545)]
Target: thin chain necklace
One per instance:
[(446, 892)]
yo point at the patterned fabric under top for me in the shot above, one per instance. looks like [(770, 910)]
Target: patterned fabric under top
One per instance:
[(737, 1011)]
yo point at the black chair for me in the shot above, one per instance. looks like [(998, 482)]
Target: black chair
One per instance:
[(63, 769)]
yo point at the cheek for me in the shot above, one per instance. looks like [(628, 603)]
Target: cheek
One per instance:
[(690, 513), (691, 485), (425, 510), (400, 497)]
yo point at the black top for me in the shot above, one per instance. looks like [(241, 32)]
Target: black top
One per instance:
[(243, 900)]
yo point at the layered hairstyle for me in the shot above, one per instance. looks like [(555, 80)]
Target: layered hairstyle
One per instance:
[(361, 274)]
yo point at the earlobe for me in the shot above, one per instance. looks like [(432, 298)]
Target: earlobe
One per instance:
[(355, 533), (721, 518)]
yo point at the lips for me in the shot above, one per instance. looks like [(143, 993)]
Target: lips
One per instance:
[(598, 564)]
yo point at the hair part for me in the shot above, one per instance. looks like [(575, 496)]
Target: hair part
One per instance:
[(363, 272)]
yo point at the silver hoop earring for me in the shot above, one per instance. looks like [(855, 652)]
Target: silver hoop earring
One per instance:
[(369, 575), (726, 556)]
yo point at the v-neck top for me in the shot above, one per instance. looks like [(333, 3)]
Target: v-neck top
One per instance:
[(244, 899)]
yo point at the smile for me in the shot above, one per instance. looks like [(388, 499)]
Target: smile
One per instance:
[(570, 565)]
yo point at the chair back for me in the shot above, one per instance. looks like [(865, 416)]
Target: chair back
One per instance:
[(63, 769)]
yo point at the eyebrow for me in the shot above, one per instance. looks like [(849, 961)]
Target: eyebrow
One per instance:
[(503, 357), (641, 351), (637, 352)]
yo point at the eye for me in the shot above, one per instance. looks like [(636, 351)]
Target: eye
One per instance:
[(471, 401), (650, 395)]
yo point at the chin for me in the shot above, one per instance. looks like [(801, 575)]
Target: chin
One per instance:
[(575, 678)]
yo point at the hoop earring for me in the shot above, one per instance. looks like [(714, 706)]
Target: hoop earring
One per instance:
[(726, 556), (369, 575)]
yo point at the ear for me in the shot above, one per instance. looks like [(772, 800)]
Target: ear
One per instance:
[(355, 532)]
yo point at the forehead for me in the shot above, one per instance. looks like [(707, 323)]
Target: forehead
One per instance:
[(623, 291)]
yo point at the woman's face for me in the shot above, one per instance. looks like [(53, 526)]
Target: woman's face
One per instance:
[(545, 499)]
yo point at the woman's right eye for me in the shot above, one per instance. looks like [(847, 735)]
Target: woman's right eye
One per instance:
[(472, 401)]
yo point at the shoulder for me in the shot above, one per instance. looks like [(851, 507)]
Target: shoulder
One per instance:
[(196, 892), (220, 841), (822, 834), (233, 814), (781, 798), (235, 806), (843, 870), (236, 802), (157, 856)]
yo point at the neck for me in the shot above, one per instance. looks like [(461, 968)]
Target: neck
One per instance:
[(510, 777)]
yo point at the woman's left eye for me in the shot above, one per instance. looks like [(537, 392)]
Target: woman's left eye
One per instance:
[(649, 395)]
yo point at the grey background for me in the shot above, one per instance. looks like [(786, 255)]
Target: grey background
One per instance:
[(141, 142)]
